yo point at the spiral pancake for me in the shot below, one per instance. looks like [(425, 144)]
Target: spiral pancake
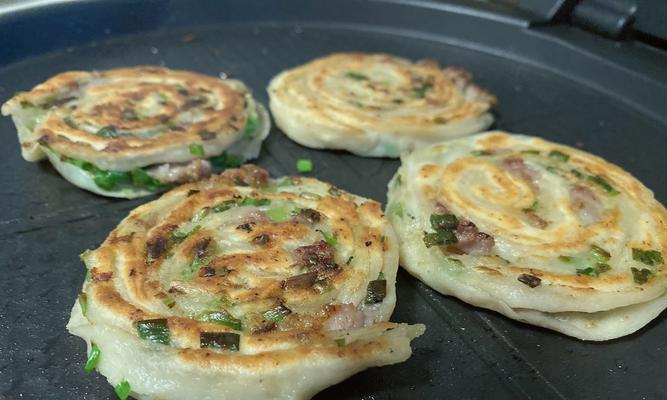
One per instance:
[(376, 105), (131, 131), (243, 287), (543, 233)]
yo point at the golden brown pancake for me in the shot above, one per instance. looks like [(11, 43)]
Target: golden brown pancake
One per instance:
[(131, 131), (376, 105), (541, 232), (243, 287)]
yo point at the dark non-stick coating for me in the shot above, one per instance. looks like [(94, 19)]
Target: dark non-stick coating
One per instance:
[(545, 87)]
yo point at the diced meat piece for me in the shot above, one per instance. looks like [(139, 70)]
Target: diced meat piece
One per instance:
[(318, 256), (343, 316), (586, 204), (308, 215), (535, 220), (181, 173), (518, 168), (246, 175), (471, 241)]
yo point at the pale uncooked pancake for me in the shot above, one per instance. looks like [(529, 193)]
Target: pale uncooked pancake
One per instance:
[(541, 232), (376, 105), (243, 287), (131, 131)]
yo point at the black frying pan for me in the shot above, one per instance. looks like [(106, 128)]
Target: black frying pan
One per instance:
[(566, 85)]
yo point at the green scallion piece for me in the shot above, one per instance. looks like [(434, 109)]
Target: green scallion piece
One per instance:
[(478, 153), (83, 303), (648, 257), (200, 215), (122, 390), (376, 291), (225, 160), (277, 314), (108, 131), (220, 340), (221, 318), (253, 201), (641, 276), (559, 155), (396, 209), (356, 76), (444, 222), (533, 152), (250, 127), (196, 150), (330, 238), (340, 342), (598, 180), (304, 165), (281, 213), (154, 330), (93, 358), (69, 122)]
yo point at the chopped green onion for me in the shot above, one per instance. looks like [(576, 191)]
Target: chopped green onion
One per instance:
[(225, 205), (304, 165), (456, 262), (225, 160), (196, 150), (154, 330), (594, 271), (577, 173), (641, 276), (93, 358), (478, 153), (598, 180), (648, 257), (180, 235), (189, 272), (376, 291), (26, 104), (140, 178), (340, 342), (200, 215), (70, 123), (107, 131), (532, 207), (280, 213), (277, 314), (334, 191), (440, 237), (83, 303), (396, 209), (122, 390), (444, 222), (559, 155), (330, 238), (87, 277), (129, 115), (253, 201), (220, 340), (356, 76), (381, 275), (534, 152), (250, 127), (349, 260), (420, 91), (220, 318)]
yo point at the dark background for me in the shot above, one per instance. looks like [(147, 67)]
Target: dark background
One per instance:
[(551, 80)]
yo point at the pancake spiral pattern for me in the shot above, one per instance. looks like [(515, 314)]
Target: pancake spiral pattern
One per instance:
[(541, 232), (376, 105), (110, 131), (243, 287)]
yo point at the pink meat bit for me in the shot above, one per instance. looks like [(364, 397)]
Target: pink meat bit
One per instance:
[(586, 204), (518, 168), (345, 316), (181, 172), (471, 240)]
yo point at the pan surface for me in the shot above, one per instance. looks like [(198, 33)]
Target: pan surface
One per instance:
[(545, 87)]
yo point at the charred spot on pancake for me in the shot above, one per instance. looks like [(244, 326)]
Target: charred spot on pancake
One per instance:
[(206, 135), (157, 246), (530, 280)]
